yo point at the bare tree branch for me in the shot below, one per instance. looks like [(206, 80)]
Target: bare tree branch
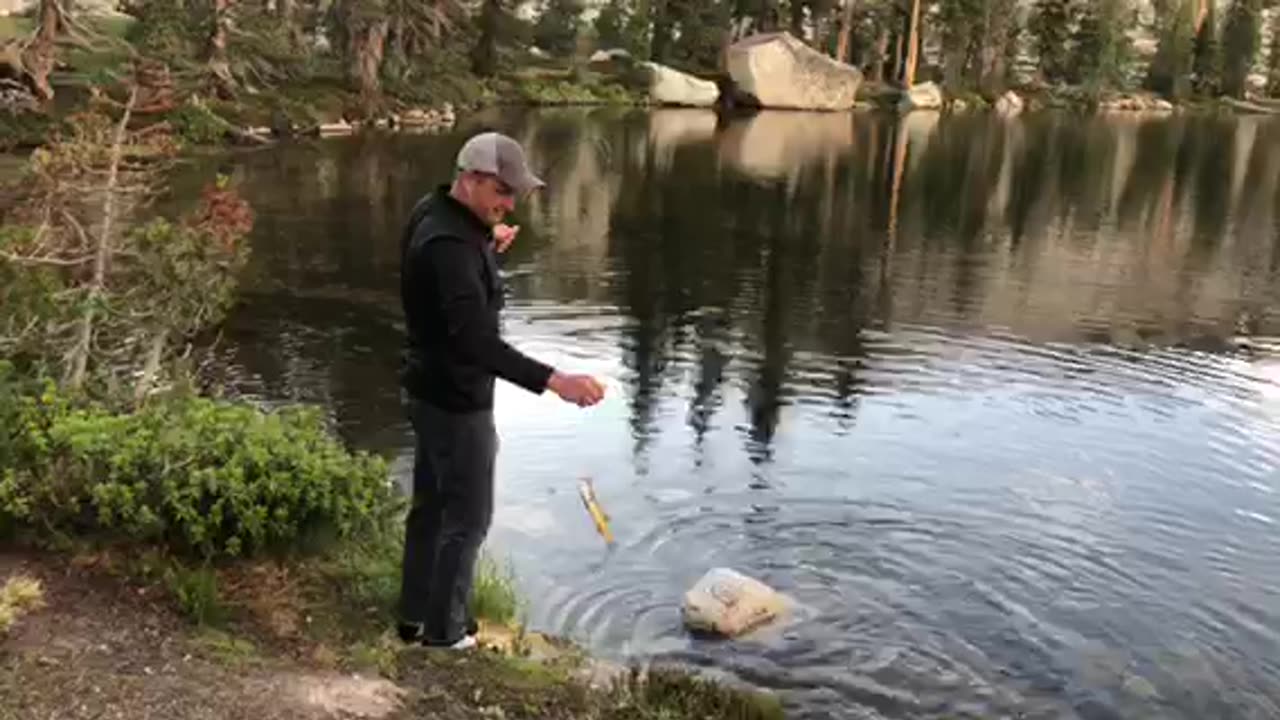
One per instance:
[(80, 352)]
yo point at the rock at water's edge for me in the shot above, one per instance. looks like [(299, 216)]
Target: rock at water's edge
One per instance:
[(925, 96), (1010, 104), (779, 71), (672, 87)]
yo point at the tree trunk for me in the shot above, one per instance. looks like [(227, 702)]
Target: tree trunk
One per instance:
[(797, 19), (913, 47), (219, 64), (150, 370), (288, 12), (899, 54), (369, 43), (41, 55), (882, 50), (78, 365), (846, 29), (484, 60)]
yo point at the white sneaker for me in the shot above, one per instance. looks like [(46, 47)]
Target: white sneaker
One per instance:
[(466, 643)]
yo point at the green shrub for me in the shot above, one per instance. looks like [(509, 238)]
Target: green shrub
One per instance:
[(206, 479), (196, 124)]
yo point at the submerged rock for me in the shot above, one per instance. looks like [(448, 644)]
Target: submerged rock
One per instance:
[(726, 602)]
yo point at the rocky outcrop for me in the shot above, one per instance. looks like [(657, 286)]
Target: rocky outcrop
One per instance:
[(417, 118), (776, 70), (612, 54), (1010, 104), (925, 96), (672, 87), (1136, 103)]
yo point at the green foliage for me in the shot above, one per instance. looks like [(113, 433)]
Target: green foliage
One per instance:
[(1050, 28), (494, 595), (496, 23), (558, 25), (1170, 69), (674, 693), (979, 42), (173, 33), (206, 479), (230, 650), (196, 124), (1240, 36), (611, 25), (162, 281), (540, 90), (24, 129), (1101, 51), (196, 592), (699, 29)]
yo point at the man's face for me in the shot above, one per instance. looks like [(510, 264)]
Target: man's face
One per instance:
[(490, 198)]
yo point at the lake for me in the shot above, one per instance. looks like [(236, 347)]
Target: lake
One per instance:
[(996, 402)]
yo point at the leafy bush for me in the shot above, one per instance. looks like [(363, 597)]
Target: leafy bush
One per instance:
[(196, 124), (207, 479)]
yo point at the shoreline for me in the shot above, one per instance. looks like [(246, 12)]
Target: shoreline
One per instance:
[(97, 623), (321, 111)]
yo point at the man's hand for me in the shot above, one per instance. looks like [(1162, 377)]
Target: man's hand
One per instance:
[(503, 236), (581, 390)]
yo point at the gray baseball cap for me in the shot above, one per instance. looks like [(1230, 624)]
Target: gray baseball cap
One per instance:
[(499, 155)]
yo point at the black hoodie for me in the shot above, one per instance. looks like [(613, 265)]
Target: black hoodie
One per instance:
[(452, 293)]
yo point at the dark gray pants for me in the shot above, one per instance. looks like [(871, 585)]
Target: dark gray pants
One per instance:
[(450, 516)]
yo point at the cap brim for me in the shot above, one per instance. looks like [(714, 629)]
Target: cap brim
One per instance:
[(529, 183)]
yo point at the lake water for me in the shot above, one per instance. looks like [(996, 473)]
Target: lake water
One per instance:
[(998, 403)]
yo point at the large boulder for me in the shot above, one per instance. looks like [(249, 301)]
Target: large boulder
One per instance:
[(672, 87), (779, 71), (726, 602), (925, 96)]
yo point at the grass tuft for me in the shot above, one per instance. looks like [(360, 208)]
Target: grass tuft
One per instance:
[(19, 595)]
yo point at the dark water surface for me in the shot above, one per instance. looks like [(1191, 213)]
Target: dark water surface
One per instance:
[(998, 403)]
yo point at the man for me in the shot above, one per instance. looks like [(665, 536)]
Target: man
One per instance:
[(452, 294)]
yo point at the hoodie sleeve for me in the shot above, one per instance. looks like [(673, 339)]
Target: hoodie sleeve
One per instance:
[(456, 272)]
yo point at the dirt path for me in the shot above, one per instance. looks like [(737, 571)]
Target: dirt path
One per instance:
[(105, 648), (101, 649)]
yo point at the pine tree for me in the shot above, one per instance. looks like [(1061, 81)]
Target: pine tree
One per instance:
[(1206, 63), (1170, 70), (1050, 27), (496, 22), (1240, 45), (701, 25), (623, 24), (556, 30), (611, 23)]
